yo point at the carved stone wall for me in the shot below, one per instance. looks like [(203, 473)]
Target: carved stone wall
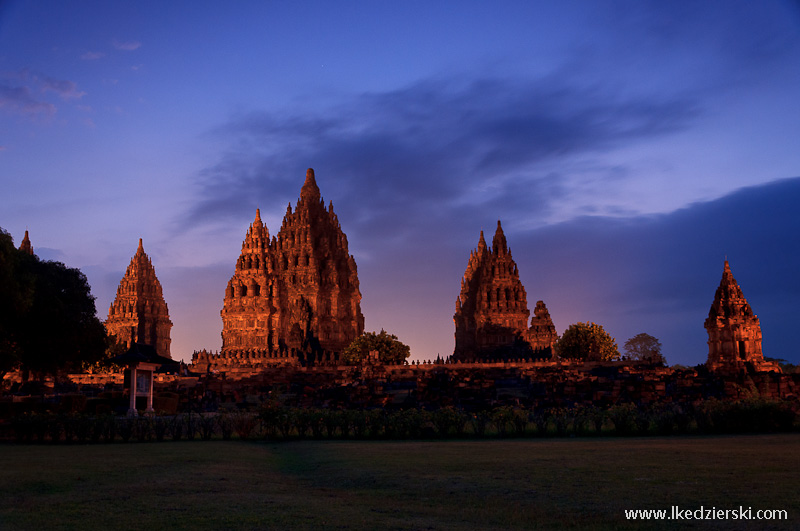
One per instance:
[(295, 297), (492, 309), (139, 313)]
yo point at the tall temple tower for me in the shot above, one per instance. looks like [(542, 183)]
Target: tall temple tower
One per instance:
[(542, 333), (296, 297), (492, 310), (25, 246), (250, 295), (734, 332), (139, 313)]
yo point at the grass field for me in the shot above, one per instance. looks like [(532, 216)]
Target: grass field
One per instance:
[(487, 484)]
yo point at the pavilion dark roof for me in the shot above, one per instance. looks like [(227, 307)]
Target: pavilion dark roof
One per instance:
[(141, 353)]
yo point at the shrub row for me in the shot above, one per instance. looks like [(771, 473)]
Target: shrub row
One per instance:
[(108, 428), (277, 422)]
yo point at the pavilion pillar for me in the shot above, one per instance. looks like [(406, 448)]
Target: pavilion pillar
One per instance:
[(132, 411), (151, 381)]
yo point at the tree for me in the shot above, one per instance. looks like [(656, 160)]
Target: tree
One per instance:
[(390, 350), (61, 329), (587, 341), (13, 303), (48, 320), (644, 347)]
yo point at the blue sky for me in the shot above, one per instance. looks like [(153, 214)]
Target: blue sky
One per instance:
[(628, 148)]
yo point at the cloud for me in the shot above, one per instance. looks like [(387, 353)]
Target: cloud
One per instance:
[(20, 99), (439, 144), (658, 274), (18, 92), (126, 45), (92, 56), (65, 89)]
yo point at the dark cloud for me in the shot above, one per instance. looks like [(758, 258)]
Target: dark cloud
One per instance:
[(658, 274), (414, 174), (437, 145)]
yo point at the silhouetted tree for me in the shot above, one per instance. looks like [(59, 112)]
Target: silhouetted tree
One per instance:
[(587, 341), (48, 320), (13, 303), (390, 349), (644, 347)]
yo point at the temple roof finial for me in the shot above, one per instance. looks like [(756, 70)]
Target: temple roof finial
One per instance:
[(499, 240), (310, 189)]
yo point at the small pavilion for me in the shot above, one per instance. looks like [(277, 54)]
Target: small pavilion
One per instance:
[(142, 360)]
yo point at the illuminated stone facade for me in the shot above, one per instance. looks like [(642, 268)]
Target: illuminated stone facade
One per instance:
[(492, 310), (734, 332), (293, 298), (139, 313)]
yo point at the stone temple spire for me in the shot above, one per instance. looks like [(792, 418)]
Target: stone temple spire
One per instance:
[(26, 246), (296, 298), (499, 244), (492, 309), (542, 333), (734, 331), (482, 244), (310, 191), (249, 296), (139, 313)]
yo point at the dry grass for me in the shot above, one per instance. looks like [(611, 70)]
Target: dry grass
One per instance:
[(489, 484)]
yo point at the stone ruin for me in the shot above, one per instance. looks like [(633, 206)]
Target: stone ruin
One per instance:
[(293, 298), (492, 309), (734, 332), (139, 313)]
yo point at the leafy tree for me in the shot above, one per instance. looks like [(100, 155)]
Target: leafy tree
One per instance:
[(587, 341), (644, 347), (13, 303), (48, 320), (61, 328), (390, 350)]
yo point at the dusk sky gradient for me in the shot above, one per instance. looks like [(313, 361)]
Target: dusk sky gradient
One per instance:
[(628, 148)]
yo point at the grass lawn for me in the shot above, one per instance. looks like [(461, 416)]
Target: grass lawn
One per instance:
[(487, 484)]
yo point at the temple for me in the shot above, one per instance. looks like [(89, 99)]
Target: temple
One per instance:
[(26, 246), (294, 298), (492, 310), (139, 313), (734, 332)]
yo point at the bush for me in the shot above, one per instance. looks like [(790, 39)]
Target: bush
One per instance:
[(501, 417), (541, 419), (448, 420), (244, 423), (520, 420), (561, 418), (479, 421), (225, 422), (623, 416), (208, 425), (175, 427)]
